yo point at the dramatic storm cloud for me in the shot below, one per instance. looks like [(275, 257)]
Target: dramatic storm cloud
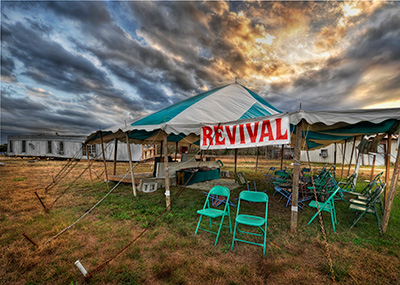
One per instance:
[(74, 67)]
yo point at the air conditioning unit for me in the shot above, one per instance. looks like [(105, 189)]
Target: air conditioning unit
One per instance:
[(323, 153), (61, 153)]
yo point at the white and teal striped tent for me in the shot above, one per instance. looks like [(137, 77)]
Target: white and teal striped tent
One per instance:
[(183, 121)]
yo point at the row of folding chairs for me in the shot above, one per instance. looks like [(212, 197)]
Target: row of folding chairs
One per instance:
[(243, 219)]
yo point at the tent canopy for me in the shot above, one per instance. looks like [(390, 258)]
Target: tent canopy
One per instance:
[(183, 121)]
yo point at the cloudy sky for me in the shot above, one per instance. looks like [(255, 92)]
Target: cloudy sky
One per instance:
[(72, 67)]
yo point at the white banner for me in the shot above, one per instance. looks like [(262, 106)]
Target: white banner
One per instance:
[(252, 134)]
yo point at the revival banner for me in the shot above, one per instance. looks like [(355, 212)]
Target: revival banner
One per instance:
[(271, 131)]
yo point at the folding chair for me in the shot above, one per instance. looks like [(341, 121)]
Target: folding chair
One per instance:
[(251, 220), (241, 179), (327, 206), (212, 212), (269, 176), (368, 206)]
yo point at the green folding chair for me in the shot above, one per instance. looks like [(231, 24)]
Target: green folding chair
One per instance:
[(212, 210), (251, 220), (327, 206), (368, 206)]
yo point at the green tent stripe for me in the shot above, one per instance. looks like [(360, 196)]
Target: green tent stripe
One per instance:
[(320, 136), (255, 111), (141, 134), (311, 144), (261, 100), (167, 114), (364, 128)]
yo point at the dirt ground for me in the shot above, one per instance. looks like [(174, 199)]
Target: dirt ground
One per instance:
[(167, 252)]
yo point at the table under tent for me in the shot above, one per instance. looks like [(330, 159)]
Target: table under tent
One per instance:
[(233, 117)]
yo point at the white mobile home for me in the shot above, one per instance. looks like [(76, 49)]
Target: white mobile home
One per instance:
[(66, 146)]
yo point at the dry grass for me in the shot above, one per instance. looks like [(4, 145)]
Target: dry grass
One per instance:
[(169, 252)]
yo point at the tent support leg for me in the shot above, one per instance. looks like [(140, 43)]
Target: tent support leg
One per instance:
[(387, 174), (167, 187), (128, 147), (296, 174), (236, 155), (104, 159), (371, 176), (89, 168), (258, 153), (344, 155), (351, 156), (115, 156), (392, 191)]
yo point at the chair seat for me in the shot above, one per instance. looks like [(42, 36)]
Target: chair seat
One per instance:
[(361, 208), (213, 213), (313, 204), (358, 202), (250, 220)]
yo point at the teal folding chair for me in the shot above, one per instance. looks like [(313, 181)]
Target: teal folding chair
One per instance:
[(251, 220), (327, 206), (213, 211)]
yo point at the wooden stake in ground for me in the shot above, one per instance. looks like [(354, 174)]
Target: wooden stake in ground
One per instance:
[(128, 146), (167, 192), (104, 158), (115, 156), (387, 174), (392, 191), (296, 174), (89, 169)]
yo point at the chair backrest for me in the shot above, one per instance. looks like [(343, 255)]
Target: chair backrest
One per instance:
[(375, 194), (240, 178), (252, 196), (220, 191)]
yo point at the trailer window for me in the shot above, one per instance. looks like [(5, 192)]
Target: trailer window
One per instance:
[(11, 147), (61, 148), (23, 146), (49, 147)]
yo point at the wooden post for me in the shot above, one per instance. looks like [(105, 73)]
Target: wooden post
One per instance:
[(104, 158), (115, 156), (236, 154), (89, 169), (167, 192), (258, 153), (344, 155), (128, 147), (296, 174), (392, 191), (387, 175), (351, 156), (334, 160), (373, 168)]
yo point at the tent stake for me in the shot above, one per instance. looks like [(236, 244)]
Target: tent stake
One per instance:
[(41, 202), (296, 174), (392, 191), (29, 239), (89, 169), (128, 146), (167, 192)]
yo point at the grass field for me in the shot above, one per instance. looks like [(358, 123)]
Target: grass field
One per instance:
[(168, 252)]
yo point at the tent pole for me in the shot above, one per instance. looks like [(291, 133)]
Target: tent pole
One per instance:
[(115, 156), (258, 153), (373, 168), (387, 175), (296, 174), (128, 147), (392, 191), (344, 155), (334, 160), (351, 156), (282, 151), (236, 154), (176, 150), (104, 159), (89, 169), (167, 193)]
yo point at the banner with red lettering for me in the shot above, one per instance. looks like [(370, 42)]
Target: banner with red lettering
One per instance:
[(272, 131)]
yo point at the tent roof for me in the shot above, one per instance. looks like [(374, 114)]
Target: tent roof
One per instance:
[(183, 121)]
